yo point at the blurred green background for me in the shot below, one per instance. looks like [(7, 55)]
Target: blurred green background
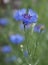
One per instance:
[(38, 56)]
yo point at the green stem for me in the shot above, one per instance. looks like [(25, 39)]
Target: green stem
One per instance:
[(37, 41)]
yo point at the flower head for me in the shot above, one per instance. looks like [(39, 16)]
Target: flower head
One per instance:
[(26, 53), (3, 21), (17, 15), (31, 17), (39, 28), (26, 17), (6, 49), (16, 39)]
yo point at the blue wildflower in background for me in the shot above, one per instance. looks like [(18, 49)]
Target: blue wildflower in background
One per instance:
[(13, 58), (16, 39), (10, 59), (6, 49), (39, 28), (26, 17), (3, 21), (25, 53)]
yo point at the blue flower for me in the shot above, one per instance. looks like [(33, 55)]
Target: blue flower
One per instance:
[(17, 15), (16, 39), (6, 49), (21, 26), (13, 58), (26, 53), (26, 17), (39, 28), (3, 21), (31, 17), (10, 59)]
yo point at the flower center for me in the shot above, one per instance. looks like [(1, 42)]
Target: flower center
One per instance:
[(27, 16)]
